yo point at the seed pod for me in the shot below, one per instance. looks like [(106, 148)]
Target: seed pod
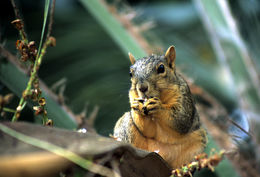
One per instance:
[(49, 123), (7, 98), (38, 110), (18, 24), (42, 101), (52, 41)]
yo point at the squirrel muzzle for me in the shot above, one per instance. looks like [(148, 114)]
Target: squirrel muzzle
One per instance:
[(145, 90)]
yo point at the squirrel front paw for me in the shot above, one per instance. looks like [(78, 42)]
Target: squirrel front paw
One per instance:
[(152, 105), (146, 106), (137, 104)]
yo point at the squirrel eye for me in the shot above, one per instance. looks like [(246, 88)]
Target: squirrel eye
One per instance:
[(130, 73), (160, 69)]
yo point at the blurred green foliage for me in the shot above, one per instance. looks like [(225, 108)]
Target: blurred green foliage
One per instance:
[(95, 66), (96, 69)]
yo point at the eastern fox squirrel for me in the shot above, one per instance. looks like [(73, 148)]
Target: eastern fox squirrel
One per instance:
[(163, 116)]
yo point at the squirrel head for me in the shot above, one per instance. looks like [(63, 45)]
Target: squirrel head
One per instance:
[(150, 75)]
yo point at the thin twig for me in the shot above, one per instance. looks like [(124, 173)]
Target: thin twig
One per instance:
[(92, 117), (51, 19), (200, 161), (239, 127), (16, 10), (17, 15)]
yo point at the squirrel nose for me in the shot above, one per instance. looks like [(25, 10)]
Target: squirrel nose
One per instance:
[(143, 88)]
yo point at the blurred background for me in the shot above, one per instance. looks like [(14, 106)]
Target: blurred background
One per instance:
[(217, 45)]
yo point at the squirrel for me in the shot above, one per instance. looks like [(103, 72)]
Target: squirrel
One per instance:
[(163, 116)]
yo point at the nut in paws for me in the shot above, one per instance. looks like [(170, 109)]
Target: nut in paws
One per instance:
[(151, 105)]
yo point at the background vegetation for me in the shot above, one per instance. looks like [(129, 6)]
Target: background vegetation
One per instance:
[(89, 66)]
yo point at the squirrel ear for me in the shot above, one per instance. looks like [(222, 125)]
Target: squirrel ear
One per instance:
[(132, 58), (170, 56)]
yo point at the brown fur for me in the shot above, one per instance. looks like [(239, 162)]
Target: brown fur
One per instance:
[(163, 118)]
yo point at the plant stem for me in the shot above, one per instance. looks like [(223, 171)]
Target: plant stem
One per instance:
[(43, 51), (21, 105), (8, 110), (33, 76), (14, 75)]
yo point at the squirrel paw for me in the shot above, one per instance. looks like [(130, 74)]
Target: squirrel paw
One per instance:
[(137, 105), (146, 107), (151, 105)]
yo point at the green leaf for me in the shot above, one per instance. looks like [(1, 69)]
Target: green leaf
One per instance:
[(124, 40), (231, 52), (67, 154)]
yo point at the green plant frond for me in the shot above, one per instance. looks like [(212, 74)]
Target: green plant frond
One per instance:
[(125, 41)]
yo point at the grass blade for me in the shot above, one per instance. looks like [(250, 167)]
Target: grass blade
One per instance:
[(46, 10)]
